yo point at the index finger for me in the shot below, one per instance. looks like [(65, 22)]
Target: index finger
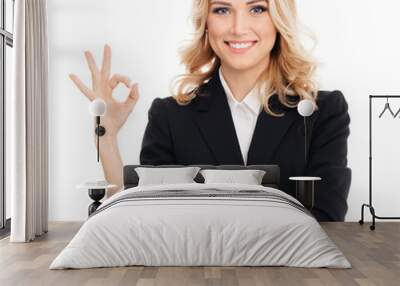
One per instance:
[(106, 66)]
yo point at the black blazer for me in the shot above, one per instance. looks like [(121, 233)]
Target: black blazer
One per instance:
[(203, 132)]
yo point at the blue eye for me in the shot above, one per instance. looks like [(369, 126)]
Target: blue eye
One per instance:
[(217, 10), (223, 10), (261, 9)]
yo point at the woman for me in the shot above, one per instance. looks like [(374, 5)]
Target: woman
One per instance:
[(237, 103)]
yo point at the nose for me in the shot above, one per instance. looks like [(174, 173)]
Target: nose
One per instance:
[(240, 24)]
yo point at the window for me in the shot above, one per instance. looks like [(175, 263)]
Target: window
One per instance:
[(6, 44)]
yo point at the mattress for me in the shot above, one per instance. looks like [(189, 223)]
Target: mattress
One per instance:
[(197, 224)]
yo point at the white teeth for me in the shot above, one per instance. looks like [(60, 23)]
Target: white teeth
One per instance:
[(240, 46)]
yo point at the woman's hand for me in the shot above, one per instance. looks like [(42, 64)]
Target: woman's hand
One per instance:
[(103, 86)]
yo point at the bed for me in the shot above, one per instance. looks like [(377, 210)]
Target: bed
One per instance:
[(201, 224)]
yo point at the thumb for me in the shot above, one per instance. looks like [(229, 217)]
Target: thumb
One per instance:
[(133, 96)]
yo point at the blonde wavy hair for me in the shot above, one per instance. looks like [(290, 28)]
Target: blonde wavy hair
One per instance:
[(290, 69)]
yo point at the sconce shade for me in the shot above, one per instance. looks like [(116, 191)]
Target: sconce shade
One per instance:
[(97, 107), (305, 107)]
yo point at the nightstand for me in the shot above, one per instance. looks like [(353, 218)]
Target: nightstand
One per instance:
[(305, 189), (96, 191)]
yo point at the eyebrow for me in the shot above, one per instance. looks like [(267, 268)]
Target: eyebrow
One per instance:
[(228, 4)]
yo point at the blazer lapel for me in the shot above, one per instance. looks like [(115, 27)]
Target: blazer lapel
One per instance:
[(214, 119), (269, 132)]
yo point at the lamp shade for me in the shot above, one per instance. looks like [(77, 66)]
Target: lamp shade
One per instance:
[(305, 107), (98, 107)]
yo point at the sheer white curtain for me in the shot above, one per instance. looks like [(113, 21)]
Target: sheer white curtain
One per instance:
[(28, 123)]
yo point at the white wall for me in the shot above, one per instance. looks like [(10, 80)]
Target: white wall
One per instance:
[(357, 47)]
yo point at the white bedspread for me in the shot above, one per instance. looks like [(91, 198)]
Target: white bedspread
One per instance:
[(181, 231)]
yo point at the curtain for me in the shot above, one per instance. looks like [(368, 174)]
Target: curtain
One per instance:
[(28, 121)]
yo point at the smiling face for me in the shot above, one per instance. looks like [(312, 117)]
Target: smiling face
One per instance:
[(241, 33)]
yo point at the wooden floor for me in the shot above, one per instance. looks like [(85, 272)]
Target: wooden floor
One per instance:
[(374, 255)]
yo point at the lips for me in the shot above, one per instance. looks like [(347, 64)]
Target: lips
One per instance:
[(239, 42), (240, 50)]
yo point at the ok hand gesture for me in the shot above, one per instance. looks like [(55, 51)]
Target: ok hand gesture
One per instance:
[(103, 86)]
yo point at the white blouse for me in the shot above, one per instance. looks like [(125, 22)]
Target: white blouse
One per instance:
[(244, 114)]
